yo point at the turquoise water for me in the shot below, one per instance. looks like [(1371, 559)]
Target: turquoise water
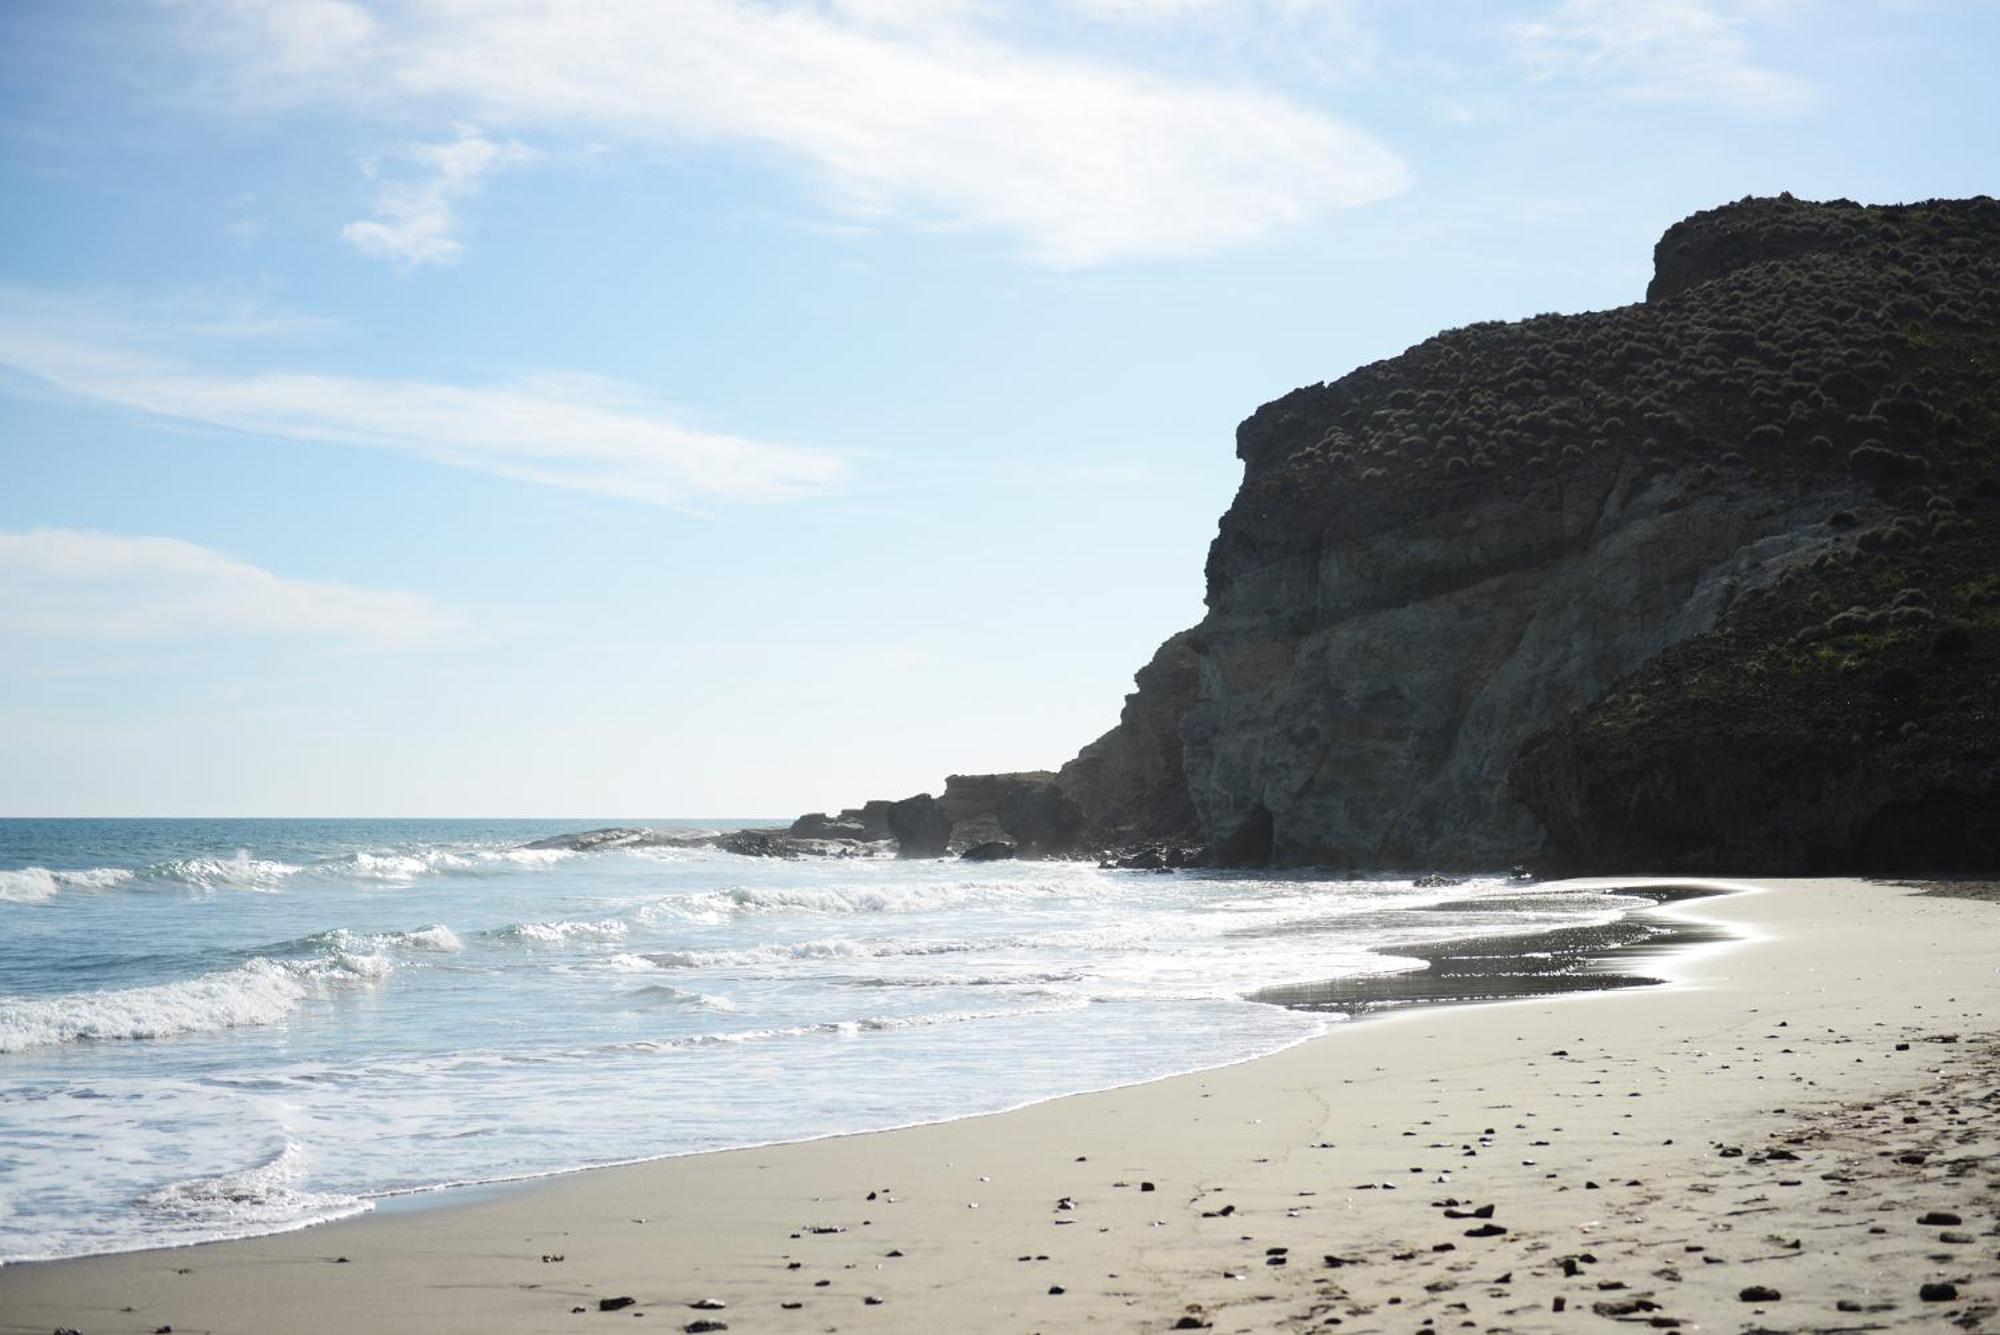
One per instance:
[(217, 1028)]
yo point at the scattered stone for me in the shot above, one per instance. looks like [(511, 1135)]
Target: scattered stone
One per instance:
[(614, 1304), (1625, 1307), (1938, 1293), (1758, 1293), (1939, 1219), (708, 1305)]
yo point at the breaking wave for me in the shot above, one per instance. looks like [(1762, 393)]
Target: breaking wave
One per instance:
[(549, 933), (259, 991), (242, 871), (876, 898), (264, 1199), (33, 885)]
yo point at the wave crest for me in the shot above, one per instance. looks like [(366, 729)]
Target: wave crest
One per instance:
[(257, 992), (550, 933), (34, 885)]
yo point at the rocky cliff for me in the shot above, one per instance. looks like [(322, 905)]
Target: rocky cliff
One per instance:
[(1710, 581), (1705, 581)]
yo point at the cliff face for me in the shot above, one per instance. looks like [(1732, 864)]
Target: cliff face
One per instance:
[(1578, 588)]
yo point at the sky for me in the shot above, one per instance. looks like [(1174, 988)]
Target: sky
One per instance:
[(743, 407)]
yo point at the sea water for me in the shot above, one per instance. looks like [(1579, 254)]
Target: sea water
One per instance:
[(212, 1029)]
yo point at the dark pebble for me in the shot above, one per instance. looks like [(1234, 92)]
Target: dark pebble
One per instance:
[(1057, 1290), (703, 1327), (1758, 1293), (1938, 1293), (1485, 1231), (1940, 1219), (614, 1304)]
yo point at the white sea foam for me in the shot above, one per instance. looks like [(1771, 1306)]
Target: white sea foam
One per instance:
[(878, 897), (550, 933), (826, 948), (241, 872), (264, 1199), (35, 885), (408, 865), (259, 991), (841, 1028)]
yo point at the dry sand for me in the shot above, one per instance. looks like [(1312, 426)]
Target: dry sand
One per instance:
[(1803, 1113)]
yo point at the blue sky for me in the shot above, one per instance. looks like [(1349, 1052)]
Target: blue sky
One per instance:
[(715, 407)]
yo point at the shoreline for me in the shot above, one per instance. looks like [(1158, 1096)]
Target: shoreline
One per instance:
[(724, 1224), (1579, 960)]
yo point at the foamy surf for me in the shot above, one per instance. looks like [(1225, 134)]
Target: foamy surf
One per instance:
[(389, 1006), (35, 885), (268, 1198), (258, 992)]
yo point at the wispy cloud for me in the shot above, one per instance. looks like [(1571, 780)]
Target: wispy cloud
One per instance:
[(1690, 51), (416, 218), (901, 113), (580, 432), (61, 582)]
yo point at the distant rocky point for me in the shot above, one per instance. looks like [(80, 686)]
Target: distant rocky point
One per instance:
[(1710, 582)]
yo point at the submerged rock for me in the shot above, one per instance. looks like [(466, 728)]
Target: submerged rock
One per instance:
[(994, 851)]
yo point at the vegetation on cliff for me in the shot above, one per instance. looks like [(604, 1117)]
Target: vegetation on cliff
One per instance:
[(1711, 580), (1836, 707)]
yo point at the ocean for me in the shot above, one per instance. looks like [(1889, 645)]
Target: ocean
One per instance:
[(218, 1028)]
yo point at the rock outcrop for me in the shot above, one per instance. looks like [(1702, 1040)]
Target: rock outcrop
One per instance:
[(1572, 589), (1708, 581), (920, 827), (866, 823)]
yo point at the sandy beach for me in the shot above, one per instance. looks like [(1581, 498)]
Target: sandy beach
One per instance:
[(1800, 1133)]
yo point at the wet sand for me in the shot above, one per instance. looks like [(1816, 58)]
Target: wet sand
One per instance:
[(1514, 966), (1801, 1133)]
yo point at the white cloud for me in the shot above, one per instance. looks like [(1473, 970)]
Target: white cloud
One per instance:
[(1660, 51), (74, 582), (899, 117), (555, 429), (415, 219)]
